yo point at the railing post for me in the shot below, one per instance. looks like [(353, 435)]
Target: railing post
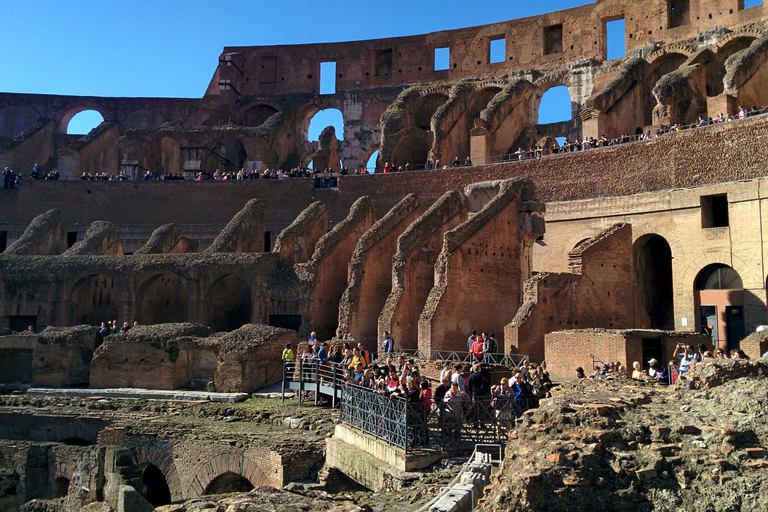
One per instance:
[(317, 380), (301, 378), (333, 388), (282, 388)]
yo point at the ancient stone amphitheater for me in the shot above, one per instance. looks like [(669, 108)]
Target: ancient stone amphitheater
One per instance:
[(574, 257)]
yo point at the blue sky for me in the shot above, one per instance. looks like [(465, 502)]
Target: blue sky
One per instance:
[(169, 48)]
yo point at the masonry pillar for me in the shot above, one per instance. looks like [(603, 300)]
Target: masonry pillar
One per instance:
[(592, 122), (479, 147)]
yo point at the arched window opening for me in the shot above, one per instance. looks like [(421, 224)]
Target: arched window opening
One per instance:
[(718, 277), (228, 482), (371, 164), (157, 491), (324, 118), (555, 105), (83, 122)]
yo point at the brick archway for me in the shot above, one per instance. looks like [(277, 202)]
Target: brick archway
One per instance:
[(228, 463), (162, 458), (65, 115)]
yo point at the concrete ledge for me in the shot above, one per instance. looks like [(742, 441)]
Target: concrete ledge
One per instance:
[(371, 462), (152, 394)]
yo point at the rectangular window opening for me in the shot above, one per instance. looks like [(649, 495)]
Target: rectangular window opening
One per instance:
[(615, 38), (714, 211), (752, 3), (3, 241), (267, 241), (679, 13), (384, 62), (498, 50), (327, 78), (268, 73), (442, 58), (553, 39), (71, 238)]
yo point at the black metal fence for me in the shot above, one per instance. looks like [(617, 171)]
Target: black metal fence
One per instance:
[(413, 425)]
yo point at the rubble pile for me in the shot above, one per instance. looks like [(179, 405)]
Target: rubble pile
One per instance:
[(605, 445)]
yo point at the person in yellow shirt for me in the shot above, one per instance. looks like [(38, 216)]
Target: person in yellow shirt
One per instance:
[(288, 354)]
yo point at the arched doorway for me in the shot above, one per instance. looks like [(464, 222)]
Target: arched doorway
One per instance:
[(94, 300), (156, 486), (653, 275), (162, 299), (228, 482), (425, 108), (228, 303), (719, 302)]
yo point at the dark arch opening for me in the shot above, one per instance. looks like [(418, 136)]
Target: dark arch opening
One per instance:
[(76, 441), (653, 274), (228, 482), (258, 114), (228, 304), (94, 300), (426, 108), (410, 149), (162, 299), (60, 487), (157, 491)]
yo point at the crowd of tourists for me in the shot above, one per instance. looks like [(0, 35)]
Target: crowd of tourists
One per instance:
[(464, 391), (684, 358)]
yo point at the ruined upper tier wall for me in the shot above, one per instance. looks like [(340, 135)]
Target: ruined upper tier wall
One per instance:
[(541, 41)]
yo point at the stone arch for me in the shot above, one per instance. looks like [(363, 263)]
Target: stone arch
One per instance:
[(14, 119), (480, 99), (413, 146), (659, 65), (161, 457), (725, 48), (696, 264), (666, 51), (425, 107), (652, 256), (65, 115), (542, 90), (162, 298), (197, 118), (228, 463), (257, 114), (369, 153), (751, 33), (143, 118), (308, 111), (94, 299), (228, 303), (718, 301)]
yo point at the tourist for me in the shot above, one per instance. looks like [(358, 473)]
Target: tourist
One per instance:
[(388, 345), (637, 371), (580, 373), (458, 379), (471, 341), (288, 355)]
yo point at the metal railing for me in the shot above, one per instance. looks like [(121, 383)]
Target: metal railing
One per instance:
[(415, 425), (511, 361), (482, 451)]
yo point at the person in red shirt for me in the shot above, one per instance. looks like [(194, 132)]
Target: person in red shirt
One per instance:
[(477, 350)]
